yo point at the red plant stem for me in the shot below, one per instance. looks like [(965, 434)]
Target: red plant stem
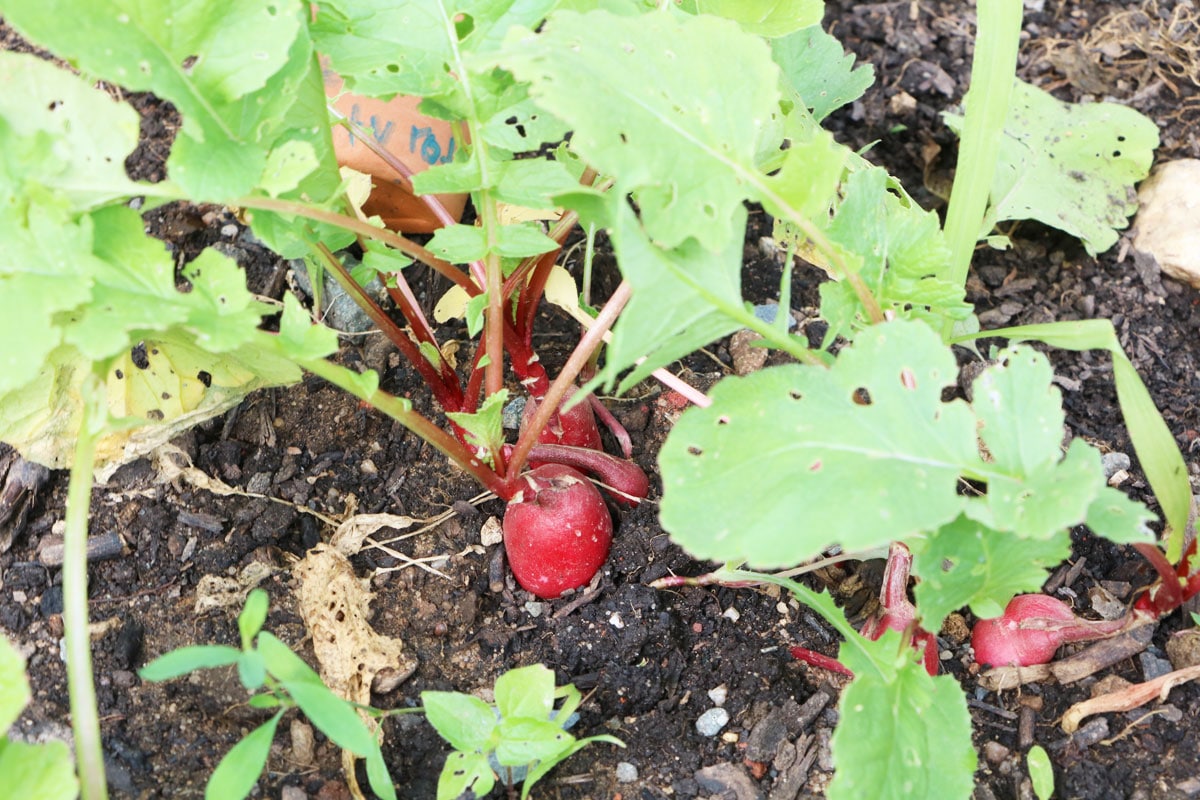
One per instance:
[(894, 592), (613, 425), (442, 380), (818, 660), (566, 379), (622, 475), (357, 226), (531, 293), (1167, 595)]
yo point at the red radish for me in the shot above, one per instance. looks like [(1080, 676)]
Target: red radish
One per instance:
[(1031, 630), (557, 531)]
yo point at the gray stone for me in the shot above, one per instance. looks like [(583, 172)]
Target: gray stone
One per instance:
[(626, 772), (712, 721)]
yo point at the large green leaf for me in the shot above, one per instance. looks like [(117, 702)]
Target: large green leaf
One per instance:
[(764, 17), (423, 48), (43, 146), (789, 460), (37, 771), (673, 107), (230, 67), (902, 733), (1070, 165)]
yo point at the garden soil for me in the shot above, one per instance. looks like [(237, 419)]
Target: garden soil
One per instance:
[(649, 662)]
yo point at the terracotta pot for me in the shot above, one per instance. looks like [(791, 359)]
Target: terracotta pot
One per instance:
[(416, 140)]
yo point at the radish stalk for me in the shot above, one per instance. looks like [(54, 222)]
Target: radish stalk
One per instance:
[(626, 477)]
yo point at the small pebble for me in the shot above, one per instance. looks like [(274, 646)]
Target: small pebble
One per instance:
[(511, 416), (492, 532), (293, 793), (1114, 463), (615, 620), (229, 231), (718, 695), (626, 772), (534, 609), (1153, 666), (712, 721)]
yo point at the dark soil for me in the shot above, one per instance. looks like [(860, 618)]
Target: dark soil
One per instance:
[(647, 660)]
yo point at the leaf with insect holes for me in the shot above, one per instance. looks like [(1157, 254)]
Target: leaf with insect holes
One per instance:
[(662, 331), (42, 145), (894, 246), (904, 733), (231, 67), (817, 71), (792, 459), (672, 107), (965, 563), (1072, 166)]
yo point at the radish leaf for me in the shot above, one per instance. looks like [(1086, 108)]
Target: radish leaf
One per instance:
[(675, 113), (818, 73), (1069, 165), (773, 471), (905, 733), (966, 563)]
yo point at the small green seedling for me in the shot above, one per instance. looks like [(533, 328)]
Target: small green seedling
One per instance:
[(1040, 772), (280, 680), (38, 771), (523, 735)]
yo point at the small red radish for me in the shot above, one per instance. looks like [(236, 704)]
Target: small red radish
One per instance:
[(1032, 629), (557, 531)]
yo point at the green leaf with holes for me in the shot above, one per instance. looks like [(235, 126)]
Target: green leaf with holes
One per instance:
[(966, 563), (792, 459), (231, 67), (1072, 166), (817, 71)]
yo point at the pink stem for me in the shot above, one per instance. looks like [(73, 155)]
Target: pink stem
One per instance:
[(614, 426)]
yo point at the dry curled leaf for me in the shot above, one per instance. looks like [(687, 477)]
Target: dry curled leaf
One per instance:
[(335, 606)]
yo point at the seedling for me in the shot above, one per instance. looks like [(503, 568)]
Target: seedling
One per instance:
[(276, 678), (523, 736)]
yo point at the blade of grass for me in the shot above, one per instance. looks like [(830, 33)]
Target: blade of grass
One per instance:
[(993, 70)]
